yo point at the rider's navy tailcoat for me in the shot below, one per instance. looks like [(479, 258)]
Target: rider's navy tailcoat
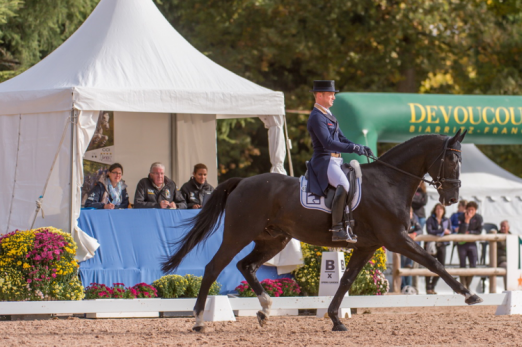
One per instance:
[(327, 138)]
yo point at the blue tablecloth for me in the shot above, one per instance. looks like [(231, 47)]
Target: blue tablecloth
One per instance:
[(134, 242)]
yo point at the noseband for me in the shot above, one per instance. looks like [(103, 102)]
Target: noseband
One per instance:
[(440, 176)]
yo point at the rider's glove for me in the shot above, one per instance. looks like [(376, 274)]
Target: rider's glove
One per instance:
[(358, 149), (369, 152)]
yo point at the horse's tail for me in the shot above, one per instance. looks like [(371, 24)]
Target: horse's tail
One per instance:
[(203, 224)]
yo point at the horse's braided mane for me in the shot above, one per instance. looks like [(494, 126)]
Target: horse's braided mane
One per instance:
[(407, 142)]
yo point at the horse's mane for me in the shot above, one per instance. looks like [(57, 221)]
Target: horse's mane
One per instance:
[(409, 142)]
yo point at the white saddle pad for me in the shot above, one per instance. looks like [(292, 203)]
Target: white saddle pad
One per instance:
[(311, 201)]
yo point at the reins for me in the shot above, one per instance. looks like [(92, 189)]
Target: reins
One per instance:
[(435, 183)]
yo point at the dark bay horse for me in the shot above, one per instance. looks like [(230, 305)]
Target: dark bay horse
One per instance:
[(266, 209)]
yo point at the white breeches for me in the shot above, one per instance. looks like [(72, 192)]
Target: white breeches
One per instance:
[(336, 176)]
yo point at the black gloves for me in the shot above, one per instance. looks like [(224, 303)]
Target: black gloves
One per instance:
[(361, 150), (369, 152)]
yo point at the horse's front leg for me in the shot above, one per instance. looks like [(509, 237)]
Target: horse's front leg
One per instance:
[(407, 247), (358, 259)]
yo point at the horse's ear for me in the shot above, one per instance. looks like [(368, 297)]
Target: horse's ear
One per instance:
[(454, 139), (462, 136)]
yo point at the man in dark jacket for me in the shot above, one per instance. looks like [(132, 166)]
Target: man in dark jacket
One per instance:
[(329, 142), (158, 191), (469, 223)]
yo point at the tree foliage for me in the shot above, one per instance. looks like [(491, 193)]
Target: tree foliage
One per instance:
[(31, 29), (441, 46), (426, 46)]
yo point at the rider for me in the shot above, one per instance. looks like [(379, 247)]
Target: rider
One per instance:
[(325, 166)]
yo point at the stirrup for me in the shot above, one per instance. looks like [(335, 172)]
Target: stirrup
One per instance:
[(341, 235)]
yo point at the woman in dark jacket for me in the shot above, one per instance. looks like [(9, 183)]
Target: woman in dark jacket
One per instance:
[(110, 192), (197, 187), (469, 223), (437, 225)]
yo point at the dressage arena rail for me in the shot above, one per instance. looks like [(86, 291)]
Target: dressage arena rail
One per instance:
[(492, 271), (184, 305)]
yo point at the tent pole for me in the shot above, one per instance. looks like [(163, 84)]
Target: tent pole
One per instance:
[(72, 201), (288, 148)]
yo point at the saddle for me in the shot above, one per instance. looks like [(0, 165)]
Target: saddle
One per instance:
[(352, 172)]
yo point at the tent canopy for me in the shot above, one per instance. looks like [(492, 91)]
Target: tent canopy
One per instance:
[(127, 57)]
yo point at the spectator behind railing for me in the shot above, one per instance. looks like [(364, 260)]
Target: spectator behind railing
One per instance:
[(437, 224), (158, 191), (110, 192), (454, 219), (501, 249), (406, 262), (195, 190), (420, 198), (469, 223)]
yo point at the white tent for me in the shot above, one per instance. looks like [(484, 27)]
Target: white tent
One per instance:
[(497, 192), (126, 58)]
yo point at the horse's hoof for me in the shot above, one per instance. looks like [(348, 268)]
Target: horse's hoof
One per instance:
[(339, 327), (261, 318), (474, 299), (199, 329)]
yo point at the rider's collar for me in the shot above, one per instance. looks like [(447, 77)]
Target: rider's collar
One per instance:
[(321, 108)]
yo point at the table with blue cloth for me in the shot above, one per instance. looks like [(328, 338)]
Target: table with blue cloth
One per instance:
[(134, 242)]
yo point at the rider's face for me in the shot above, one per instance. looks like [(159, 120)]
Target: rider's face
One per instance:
[(325, 99)]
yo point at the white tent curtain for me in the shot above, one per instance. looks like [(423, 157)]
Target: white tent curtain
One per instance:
[(276, 142), (85, 125), (195, 142)]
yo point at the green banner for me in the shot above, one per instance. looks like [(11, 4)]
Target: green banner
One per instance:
[(368, 118)]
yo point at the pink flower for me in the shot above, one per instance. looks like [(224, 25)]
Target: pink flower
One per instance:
[(29, 280), (54, 275)]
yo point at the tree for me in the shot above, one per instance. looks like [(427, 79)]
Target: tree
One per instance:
[(441, 46), (32, 29)]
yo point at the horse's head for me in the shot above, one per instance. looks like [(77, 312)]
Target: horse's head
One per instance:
[(445, 170)]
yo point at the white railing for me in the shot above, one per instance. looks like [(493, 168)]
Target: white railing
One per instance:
[(492, 271)]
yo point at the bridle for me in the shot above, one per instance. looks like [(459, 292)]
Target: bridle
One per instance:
[(440, 176)]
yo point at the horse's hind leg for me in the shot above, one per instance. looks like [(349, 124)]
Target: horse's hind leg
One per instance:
[(357, 261), (263, 251), (223, 257)]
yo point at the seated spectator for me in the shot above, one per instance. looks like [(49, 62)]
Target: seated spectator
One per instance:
[(158, 191), (197, 187), (437, 224), (469, 223), (110, 192), (454, 219), (501, 249)]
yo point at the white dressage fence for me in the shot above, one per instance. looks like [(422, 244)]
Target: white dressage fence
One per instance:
[(220, 307)]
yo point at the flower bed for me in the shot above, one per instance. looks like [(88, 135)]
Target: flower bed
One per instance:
[(370, 281), (39, 264), (278, 287), (119, 291)]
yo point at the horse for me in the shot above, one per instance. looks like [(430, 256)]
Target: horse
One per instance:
[(266, 209)]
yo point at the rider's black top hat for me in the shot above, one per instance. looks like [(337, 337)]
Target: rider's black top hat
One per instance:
[(324, 86)]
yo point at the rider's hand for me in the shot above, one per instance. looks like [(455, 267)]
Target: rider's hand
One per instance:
[(164, 204), (369, 152), (358, 149)]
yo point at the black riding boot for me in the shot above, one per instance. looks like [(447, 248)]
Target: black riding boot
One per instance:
[(338, 207)]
